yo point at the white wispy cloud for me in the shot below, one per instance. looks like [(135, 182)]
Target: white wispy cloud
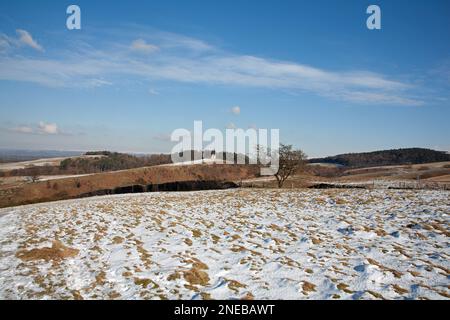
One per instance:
[(98, 83), (26, 39), (22, 38), (41, 128), (48, 128), (184, 59), (142, 46), (22, 129), (153, 92), (236, 110)]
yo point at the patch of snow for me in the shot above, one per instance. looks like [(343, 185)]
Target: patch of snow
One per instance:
[(233, 244)]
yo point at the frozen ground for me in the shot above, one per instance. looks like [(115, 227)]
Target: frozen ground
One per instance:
[(233, 244)]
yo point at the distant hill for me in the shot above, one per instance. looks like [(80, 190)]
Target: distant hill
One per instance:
[(105, 161), (386, 158), (15, 155)]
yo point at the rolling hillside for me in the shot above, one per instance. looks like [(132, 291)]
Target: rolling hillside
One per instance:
[(386, 158)]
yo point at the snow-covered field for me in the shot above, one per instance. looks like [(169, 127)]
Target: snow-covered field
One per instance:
[(41, 162), (232, 244)]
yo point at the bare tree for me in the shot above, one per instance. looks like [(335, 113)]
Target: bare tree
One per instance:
[(290, 161)]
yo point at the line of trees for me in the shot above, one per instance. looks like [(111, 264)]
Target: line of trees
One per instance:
[(110, 161), (386, 157)]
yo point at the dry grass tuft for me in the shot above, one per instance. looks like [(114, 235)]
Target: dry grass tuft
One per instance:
[(196, 233), (205, 296), (308, 287), (57, 252), (235, 285), (399, 289), (144, 283), (344, 287), (117, 240), (396, 273), (375, 294), (174, 276), (248, 296), (196, 275)]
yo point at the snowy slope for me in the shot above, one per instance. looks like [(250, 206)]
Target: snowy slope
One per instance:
[(262, 244)]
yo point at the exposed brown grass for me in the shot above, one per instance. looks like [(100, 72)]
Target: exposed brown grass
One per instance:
[(399, 289), (375, 294), (117, 240), (396, 273), (144, 283), (196, 275), (57, 252), (70, 188), (235, 285), (344, 287), (308, 287)]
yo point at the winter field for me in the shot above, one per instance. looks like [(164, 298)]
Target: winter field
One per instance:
[(232, 244)]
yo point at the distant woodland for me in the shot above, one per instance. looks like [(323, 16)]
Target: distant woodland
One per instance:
[(107, 161), (386, 158)]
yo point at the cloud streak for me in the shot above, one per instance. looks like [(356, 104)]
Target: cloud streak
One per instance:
[(236, 110), (48, 128), (42, 128), (142, 46), (22, 129), (26, 39), (182, 59)]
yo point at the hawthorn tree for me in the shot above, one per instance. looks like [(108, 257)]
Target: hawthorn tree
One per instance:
[(289, 161)]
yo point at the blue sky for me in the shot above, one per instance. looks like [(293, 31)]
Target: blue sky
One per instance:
[(137, 70)]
